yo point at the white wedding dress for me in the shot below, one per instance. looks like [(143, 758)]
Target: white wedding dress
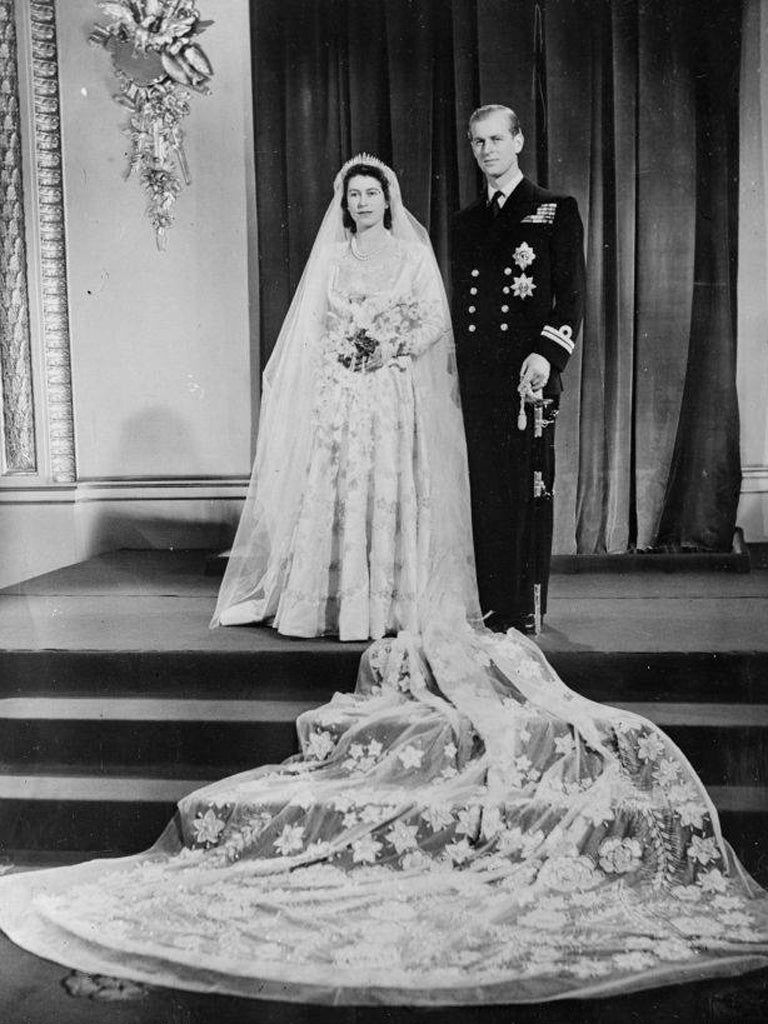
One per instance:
[(358, 513), (360, 546), (461, 829)]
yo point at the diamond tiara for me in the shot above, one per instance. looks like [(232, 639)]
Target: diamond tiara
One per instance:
[(365, 158)]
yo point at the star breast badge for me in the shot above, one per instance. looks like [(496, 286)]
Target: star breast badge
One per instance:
[(522, 286), (523, 255)]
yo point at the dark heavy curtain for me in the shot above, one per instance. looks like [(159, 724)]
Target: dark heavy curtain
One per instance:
[(628, 105), (658, 427)]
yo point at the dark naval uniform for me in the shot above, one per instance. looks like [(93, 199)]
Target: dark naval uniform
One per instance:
[(518, 287)]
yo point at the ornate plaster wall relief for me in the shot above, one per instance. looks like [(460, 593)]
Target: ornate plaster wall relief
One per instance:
[(157, 61), (18, 455), (53, 267)]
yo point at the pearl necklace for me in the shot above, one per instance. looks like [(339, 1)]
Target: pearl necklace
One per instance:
[(364, 255)]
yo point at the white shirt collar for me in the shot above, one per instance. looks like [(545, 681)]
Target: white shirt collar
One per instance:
[(506, 190)]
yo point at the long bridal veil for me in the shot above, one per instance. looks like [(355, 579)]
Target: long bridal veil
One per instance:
[(259, 555)]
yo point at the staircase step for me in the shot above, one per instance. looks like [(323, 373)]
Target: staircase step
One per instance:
[(78, 788), (81, 787), (116, 827), (151, 709), (104, 744), (314, 671), (726, 743), (311, 673), (657, 561), (645, 561), (103, 822)]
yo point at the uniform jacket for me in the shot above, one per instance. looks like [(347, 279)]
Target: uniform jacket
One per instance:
[(517, 286)]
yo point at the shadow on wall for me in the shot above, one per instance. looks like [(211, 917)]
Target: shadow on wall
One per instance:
[(151, 503), (154, 442)]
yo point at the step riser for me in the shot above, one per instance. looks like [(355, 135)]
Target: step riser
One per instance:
[(746, 834), (315, 675), (121, 828), (668, 562), (167, 748), (735, 756), (116, 828)]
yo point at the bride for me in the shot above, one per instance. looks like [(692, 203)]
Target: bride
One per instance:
[(463, 828), (359, 489)]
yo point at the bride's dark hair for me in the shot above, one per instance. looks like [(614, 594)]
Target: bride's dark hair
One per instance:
[(368, 171)]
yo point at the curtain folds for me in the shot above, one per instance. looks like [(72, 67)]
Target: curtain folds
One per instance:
[(627, 104), (702, 492)]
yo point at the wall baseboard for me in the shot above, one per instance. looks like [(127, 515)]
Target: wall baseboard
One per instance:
[(15, 491), (754, 479), (753, 506)]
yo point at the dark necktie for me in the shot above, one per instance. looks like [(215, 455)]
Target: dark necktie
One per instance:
[(495, 204)]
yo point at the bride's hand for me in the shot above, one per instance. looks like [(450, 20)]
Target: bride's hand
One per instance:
[(375, 361)]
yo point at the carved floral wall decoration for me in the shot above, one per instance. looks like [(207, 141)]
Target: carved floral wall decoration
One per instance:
[(158, 61)]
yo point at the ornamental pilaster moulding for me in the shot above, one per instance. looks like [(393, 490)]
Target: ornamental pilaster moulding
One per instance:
[(17, 412), (38, 344), (52, 268)]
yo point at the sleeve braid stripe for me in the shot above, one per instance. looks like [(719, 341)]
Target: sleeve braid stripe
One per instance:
[(562, 336)]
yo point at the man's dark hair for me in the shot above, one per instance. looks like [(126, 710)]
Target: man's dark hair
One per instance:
[(494, 108)]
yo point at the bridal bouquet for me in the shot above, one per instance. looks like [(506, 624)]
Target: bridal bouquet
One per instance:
[(371, 334)]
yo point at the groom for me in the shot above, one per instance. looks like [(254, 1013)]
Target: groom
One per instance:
[(518, 281)]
